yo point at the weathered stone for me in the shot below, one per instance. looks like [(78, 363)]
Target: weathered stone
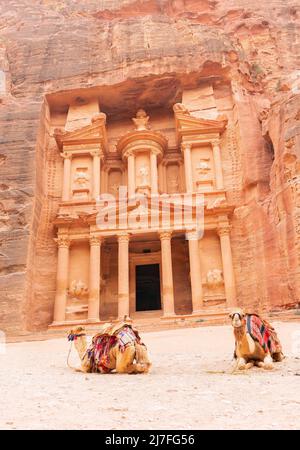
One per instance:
[(144, 54)]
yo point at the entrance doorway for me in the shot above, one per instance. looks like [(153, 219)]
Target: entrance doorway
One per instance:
[(147, 287)]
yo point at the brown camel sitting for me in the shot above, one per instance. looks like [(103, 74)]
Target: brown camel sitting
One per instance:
[(116, 347), (256, 342)]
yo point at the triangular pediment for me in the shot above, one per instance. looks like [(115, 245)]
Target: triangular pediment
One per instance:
[(188, 125), (95, 132)]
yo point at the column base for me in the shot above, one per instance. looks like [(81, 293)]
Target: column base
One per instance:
[(197, 312), (93, 319), (169, 316)]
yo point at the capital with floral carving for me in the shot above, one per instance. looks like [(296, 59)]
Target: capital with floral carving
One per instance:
[(186, 146), (123, 237), (192, 235), (215, 143), (63, 241), (224, 230), (96, 240), (97, 153), (66, 155), (165, 235)]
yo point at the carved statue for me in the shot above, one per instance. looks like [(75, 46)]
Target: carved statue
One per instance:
[(81, 177), (141, 120), (144, 172), (78, 289), (203, 167), (174, 184), (214, 277)]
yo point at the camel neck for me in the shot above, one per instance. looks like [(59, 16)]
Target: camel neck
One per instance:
[(239, 332), (80, 344)]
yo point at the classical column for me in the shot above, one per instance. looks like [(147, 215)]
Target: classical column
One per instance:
[(195, 271), (95, 273), (96, 174), (131, 174), (154, 177), (62, 278), (123, 275), (186, 148), (228, 273), (167, 274), (67, 177), (218, 165)]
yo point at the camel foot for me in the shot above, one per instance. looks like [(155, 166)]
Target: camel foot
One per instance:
[(260, 364), (241, 365), (268, 363), (249, 365)]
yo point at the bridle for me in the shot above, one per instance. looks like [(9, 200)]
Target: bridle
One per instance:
[(242, 320), (73, 336)]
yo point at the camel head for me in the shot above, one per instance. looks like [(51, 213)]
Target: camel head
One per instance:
[(237, 317), (76, 333)]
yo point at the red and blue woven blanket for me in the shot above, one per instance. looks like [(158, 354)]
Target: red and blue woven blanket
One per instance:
[(261, 331)]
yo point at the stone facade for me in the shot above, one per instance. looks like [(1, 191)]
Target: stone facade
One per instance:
[(150, 210), (87, 70)]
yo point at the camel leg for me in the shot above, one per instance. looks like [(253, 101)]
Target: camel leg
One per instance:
[(259, 364), (124, 360), (241, 364), (249, 365), (268, 362)]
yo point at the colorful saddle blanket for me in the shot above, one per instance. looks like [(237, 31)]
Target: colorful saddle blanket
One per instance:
[(263, 332), (98, 352)]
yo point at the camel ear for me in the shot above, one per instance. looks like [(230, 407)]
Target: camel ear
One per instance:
[(230, 315)]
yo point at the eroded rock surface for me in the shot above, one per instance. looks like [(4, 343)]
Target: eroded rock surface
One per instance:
[(54, 46)]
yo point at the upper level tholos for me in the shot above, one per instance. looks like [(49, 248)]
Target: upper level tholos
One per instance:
[(161, 152)]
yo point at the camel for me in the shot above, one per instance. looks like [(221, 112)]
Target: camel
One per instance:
[(115, 347), (261, 347)]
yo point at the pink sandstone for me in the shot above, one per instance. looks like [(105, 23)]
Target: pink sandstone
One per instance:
[(63, 62)]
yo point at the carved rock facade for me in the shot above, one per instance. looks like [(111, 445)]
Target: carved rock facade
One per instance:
[(211, 61)]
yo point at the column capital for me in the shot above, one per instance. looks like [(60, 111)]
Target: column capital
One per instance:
[(96, 240), (165, 235), (97, 153), (129, 153), (215, 142), (155, 151), (63, 241), (186, 146), (66, 155), (192, 235), (224, 230), (123, 237)]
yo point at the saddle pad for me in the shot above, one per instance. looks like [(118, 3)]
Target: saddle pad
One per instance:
[(261, 331)]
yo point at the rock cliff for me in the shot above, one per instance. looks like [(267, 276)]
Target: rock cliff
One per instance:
[(51, 46)]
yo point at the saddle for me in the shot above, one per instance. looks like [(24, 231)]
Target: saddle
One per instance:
[(121, 334)]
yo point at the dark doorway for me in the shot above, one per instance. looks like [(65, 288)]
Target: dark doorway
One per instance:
[(147, 287)]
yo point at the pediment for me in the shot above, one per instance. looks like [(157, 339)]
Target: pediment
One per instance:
[(188, 125), (95, 132)]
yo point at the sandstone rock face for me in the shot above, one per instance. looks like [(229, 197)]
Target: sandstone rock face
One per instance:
[(64, 47)]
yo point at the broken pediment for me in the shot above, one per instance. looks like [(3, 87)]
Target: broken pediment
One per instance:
[(94, 133), (188, 126)]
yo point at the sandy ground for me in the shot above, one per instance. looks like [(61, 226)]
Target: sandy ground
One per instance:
[(190, 387)]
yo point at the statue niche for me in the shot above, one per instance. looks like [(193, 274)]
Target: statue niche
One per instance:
[(204, 175), (114, 181), (81, 183), (173, 185)]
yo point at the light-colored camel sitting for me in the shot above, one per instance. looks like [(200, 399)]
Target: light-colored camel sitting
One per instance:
[(248, 350), (123, 350)]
